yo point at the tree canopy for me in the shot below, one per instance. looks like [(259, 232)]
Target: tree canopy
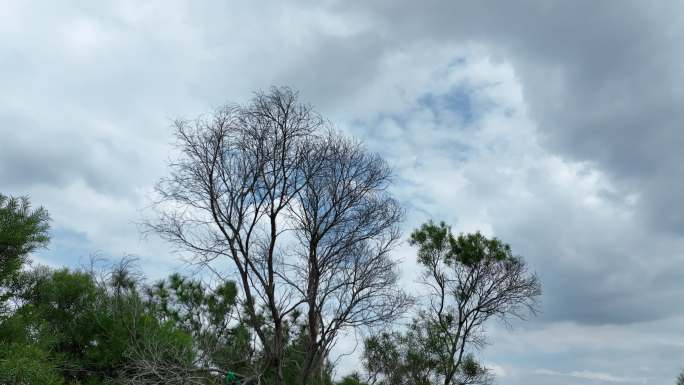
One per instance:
[(470, 279), (22, 230)]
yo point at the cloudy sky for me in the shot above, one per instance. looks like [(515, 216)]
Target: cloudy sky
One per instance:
[(552, 125)]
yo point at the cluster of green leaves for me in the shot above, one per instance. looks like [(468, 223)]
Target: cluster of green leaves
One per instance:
[(210, 316), (417, 356), (22, 230), (62, 326), (220, 335), (68, 329), (436, 242), (71, 328)]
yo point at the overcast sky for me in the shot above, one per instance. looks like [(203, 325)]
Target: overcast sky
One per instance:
[(555, 126)]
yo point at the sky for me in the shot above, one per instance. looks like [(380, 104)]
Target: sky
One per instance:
[(553, 125)]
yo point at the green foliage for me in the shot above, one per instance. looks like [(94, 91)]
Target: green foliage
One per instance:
[(209, 315), (418, 356), (22, 230), (295, 356), (437, 244), (214, 319), (77, 330), (22, 364), (71, 328), (351, 379)]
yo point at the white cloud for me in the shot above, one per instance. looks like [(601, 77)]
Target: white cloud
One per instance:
[(589, 375)]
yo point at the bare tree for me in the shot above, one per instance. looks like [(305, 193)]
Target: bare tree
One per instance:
[(302, 214), (346, 224)]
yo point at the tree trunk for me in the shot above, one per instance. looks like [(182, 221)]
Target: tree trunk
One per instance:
[(278, 357), (313, 317)]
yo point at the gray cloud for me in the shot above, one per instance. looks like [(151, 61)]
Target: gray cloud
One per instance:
[(602, 80)]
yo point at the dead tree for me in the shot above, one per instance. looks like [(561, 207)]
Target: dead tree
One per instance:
[(302, 214), (346, 224)]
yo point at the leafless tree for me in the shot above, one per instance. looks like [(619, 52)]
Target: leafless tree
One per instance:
[(346, 224), (302, 214)]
